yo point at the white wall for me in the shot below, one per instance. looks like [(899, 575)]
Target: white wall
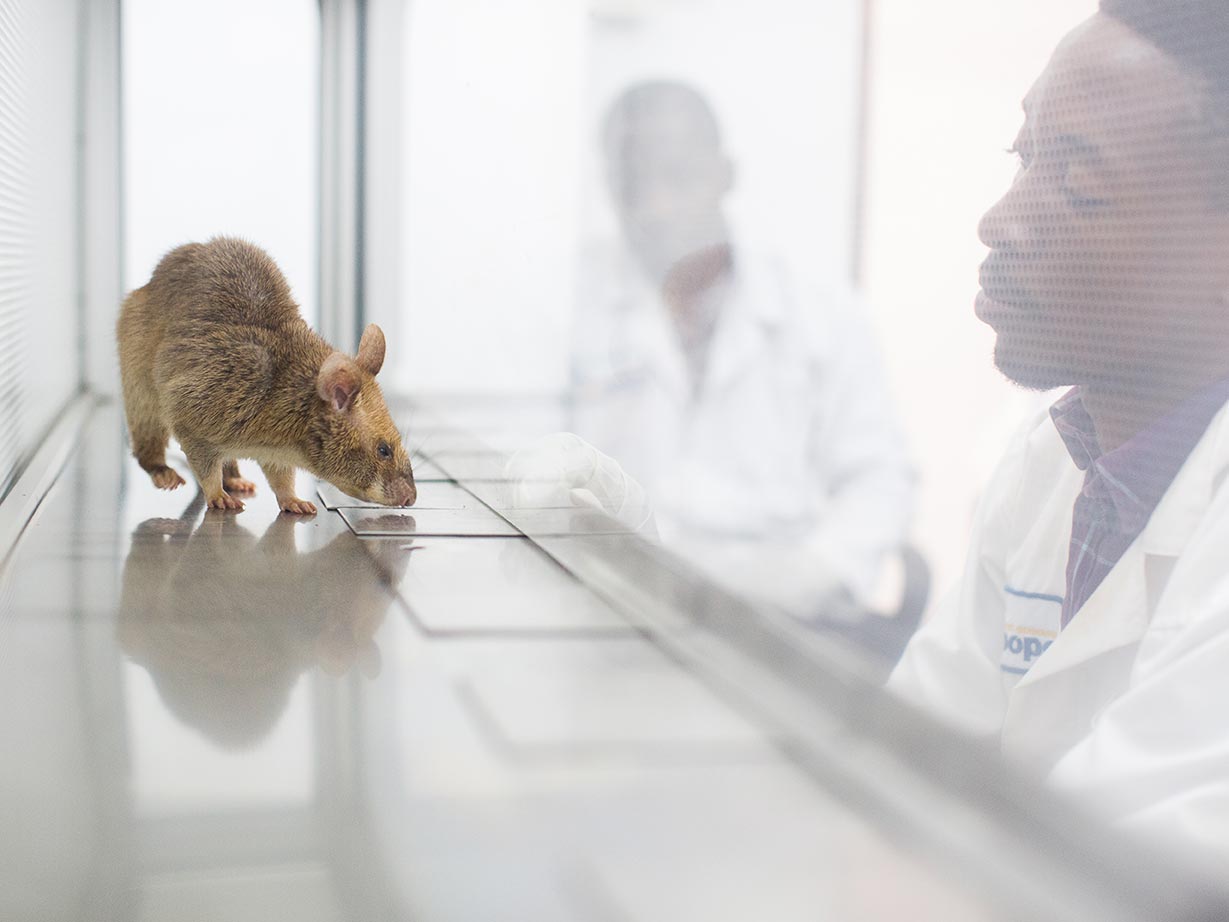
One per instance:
[(947, 80), (220, 116), (491, 110)]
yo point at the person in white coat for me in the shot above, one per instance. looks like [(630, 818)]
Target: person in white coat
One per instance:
[(1090, 634), (751, 408)]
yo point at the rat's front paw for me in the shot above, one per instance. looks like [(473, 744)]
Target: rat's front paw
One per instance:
[(166, 478), (238, 485), (225, 501), (298, 506)]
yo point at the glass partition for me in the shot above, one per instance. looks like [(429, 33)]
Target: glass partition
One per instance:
[(786, 291)]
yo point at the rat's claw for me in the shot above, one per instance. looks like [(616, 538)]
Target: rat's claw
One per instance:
[(238, 485), (225, 501), (299, 507), (166, 478)]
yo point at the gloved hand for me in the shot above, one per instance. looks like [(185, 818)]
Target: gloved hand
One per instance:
[(563, 470)]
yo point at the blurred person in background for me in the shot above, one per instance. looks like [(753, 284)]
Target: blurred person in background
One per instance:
[(752, 409), (1090, 635)]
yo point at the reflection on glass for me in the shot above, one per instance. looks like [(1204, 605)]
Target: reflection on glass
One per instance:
[(749, 408), (1090, 633), (225, 623)]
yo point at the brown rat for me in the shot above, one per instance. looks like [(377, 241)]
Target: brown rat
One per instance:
[(213, 351)]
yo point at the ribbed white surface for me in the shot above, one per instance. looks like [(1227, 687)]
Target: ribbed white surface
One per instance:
[(39, 191), (16, 231)]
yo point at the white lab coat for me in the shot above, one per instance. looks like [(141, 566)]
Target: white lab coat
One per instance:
[(786, 472), (1125, 707)]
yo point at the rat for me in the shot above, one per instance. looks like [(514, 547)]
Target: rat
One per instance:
[(214, 352)]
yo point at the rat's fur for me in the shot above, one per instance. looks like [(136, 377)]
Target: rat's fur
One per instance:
[(213, 351)]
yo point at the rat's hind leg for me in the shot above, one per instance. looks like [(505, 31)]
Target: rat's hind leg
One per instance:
[(146, 429), (206, 463), (149, 441), (233, 481)]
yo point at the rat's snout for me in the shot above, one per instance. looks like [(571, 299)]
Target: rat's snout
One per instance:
[(402, 492)]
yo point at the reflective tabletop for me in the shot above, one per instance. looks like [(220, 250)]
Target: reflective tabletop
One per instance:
[(256, 716)]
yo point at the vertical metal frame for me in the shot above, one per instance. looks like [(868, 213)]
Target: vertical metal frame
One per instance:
[(857, 244), (99, 259), (343, 26), (380, 230)]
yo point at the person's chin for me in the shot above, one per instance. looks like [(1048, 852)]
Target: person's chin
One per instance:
[(1030, 368)]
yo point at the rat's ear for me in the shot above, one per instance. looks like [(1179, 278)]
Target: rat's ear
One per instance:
[(371, 350), (338, 382)]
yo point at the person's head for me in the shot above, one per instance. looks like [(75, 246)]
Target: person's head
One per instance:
[(1109, 262), (667, 173)]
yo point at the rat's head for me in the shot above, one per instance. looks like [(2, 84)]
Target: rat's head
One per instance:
[(354, 444)]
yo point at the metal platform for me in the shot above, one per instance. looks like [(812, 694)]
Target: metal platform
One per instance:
[(470, 712)]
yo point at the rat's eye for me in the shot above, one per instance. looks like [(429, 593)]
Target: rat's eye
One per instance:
[(385, 450)]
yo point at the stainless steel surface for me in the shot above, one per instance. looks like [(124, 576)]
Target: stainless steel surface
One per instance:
[(501, 587), (253, 716), (431, 495), (475, 522)]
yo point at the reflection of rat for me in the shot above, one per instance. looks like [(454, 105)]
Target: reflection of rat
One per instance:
[(213, 351), (225, 624)]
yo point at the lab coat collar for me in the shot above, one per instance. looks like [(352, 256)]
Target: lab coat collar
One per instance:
[(760, 286), (1115, 615), (1120, 609), (761, 305), (755, 309), (1189, 496), (1135, 475), (754, 314)]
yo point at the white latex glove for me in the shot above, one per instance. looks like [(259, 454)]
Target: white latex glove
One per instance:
[(563, 470)]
